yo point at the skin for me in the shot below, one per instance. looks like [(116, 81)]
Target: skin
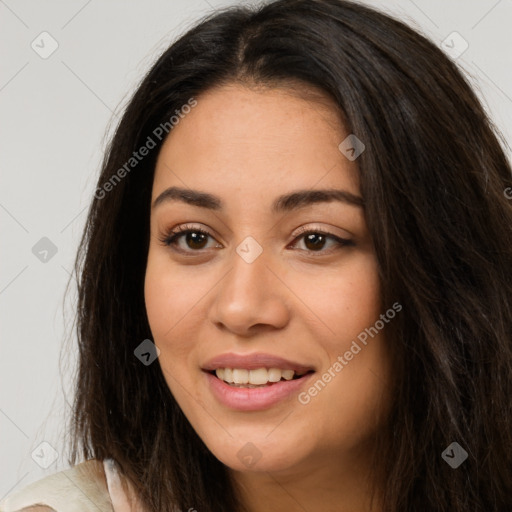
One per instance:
[(248, 146)]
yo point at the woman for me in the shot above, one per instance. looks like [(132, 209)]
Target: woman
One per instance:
[(295, 283)]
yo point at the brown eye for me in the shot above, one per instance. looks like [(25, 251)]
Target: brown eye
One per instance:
[(316, 239), (195, 239)]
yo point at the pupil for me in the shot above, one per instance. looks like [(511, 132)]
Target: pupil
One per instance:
[(194, 237), (198, 240), (315, 244)]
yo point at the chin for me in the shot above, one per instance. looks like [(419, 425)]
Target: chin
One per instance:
[(258, 453)]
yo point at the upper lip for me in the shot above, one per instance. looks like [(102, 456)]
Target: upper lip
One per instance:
[(253, 362)]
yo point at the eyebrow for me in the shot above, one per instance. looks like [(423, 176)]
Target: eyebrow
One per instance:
[(284, 203)]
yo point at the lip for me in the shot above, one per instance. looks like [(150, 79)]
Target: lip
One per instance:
[(253, 399), (253, 362)]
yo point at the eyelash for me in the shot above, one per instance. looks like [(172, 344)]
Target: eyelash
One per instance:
[(169, 239)]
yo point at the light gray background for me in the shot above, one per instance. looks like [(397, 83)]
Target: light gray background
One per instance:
[(56, 113)]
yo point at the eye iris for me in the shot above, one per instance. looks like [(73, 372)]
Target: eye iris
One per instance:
[(194, 237), (317, 239)]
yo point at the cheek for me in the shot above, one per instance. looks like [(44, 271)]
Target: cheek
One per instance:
[(354, 389), (159, 302), (164, 309), (349, 301), (168, 294), (168, 301)]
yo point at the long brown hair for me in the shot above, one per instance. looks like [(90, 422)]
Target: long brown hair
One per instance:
[(433, 176)]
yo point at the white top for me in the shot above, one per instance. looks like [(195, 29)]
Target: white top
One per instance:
[(92, 486)]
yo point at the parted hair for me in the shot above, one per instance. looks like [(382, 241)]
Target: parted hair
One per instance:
[(434, 177)]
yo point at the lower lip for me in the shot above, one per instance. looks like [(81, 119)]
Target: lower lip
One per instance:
[(254, 399)]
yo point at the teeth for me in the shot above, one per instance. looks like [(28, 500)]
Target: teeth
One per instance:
[(259, 377), (274, 375), (241, 376), (287, 374)]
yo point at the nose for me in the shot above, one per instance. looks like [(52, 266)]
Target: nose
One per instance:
[(251, 297)]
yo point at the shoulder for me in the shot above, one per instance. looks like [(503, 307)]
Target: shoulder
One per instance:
[(80, 488), (38, 508)]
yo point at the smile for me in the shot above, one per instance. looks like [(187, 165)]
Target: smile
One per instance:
[(241, 377), (254, 381), (255, 397)]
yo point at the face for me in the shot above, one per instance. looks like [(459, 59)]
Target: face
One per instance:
[(284, 293)]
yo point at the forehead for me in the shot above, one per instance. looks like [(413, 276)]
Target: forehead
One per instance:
[(254, 144)]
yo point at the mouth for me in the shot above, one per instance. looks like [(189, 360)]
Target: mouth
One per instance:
[(256, 381), (256, 378)]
